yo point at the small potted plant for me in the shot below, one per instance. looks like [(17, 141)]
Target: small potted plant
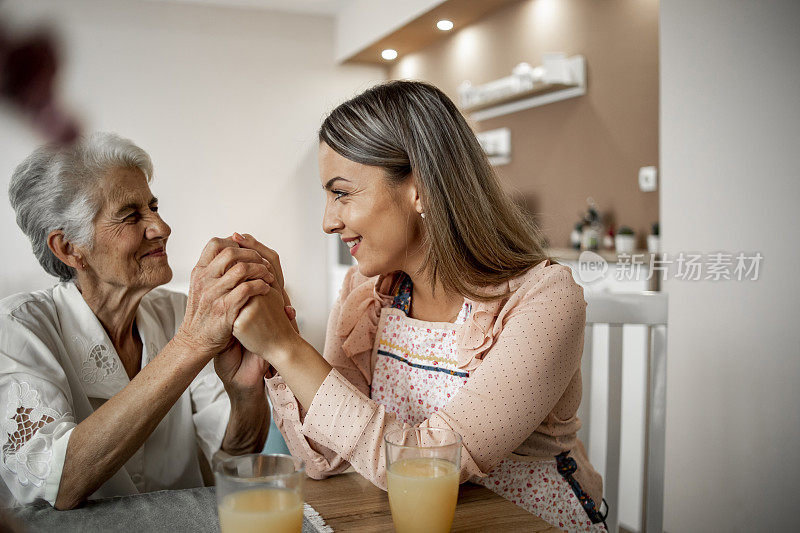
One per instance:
[(653, 240), (625, 240)]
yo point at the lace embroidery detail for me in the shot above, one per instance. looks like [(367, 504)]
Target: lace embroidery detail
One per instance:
[(23, 452), (98, 362)]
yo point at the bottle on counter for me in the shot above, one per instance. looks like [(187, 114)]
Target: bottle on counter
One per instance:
[(608, 238), (592, 230), (575, 237), (590, 238)]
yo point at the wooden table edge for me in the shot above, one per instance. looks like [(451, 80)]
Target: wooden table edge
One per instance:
[(349, 502)]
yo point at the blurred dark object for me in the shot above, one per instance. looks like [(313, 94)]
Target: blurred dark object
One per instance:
[(9, 524), (28, 67)]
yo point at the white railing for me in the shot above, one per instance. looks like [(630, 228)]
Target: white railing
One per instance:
[(617, 310)]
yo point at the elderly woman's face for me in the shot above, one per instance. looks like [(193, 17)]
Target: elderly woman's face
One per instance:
[(130, 237), (378, 222)]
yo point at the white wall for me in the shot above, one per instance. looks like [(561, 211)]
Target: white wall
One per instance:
[(227, 103), (730, 153)]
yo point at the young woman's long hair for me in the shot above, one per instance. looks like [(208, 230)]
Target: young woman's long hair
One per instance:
[(474, 234)]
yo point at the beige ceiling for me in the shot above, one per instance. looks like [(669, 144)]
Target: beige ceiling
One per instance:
[(318, 7)]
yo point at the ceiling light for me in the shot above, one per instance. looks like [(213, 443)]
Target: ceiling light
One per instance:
[(445, 25), (389, 54)]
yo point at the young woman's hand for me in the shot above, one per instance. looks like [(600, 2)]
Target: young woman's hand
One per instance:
[(263, 326), (249, 242), (274, 263)]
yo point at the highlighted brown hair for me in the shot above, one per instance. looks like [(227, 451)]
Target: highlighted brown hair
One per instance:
[(474, 234)]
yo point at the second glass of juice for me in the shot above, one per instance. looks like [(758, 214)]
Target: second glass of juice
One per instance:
[(423, 467), (260, 493)]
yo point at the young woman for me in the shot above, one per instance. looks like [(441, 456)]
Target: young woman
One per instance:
[(454, 316)]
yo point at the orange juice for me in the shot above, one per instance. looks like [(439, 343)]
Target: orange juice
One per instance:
[(422, 494), (261, 510)]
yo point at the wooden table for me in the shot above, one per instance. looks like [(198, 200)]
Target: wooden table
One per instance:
[(348, 502)]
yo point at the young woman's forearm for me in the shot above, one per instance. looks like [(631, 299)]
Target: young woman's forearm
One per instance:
[(302, 368), (100, 445)]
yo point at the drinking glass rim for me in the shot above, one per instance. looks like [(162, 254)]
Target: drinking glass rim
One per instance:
[(301, 469), (458, 441)]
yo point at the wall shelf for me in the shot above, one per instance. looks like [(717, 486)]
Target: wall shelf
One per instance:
[(538, 97), (541, 93)]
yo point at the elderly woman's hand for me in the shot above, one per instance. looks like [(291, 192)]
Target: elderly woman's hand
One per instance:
[(241, 371), (224, 279), (263, 327)]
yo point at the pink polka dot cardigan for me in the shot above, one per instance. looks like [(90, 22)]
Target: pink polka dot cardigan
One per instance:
[(521, 355)]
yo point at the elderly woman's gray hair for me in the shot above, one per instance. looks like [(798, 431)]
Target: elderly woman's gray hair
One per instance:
[(57, 188)]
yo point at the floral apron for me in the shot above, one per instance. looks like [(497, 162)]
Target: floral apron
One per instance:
[(415, 375)]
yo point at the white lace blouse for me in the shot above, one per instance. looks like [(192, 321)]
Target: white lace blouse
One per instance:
[(57, 366)]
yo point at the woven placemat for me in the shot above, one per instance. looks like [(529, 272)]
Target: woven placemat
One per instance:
[(168, 511)]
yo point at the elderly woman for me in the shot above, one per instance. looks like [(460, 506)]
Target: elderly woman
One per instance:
[(106, 379), (453, 318)]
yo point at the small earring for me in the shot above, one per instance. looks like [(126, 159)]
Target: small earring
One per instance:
[(422, 215)]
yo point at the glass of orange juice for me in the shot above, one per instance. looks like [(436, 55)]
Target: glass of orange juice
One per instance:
[(422, 468), (260, 493)]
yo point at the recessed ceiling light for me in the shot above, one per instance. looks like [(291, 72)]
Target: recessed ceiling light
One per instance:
[(389, 54), (445, 25)]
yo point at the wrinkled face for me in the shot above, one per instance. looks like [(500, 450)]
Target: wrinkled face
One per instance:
[(379, 222), (130, 238)]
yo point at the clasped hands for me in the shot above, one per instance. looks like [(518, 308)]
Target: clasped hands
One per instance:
[(238, 311)]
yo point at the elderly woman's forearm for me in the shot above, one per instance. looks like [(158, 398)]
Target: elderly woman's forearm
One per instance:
[(248, 426), (100, 445)]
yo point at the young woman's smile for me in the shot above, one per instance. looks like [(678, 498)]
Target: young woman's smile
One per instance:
[(377, 221), (352, 243)]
